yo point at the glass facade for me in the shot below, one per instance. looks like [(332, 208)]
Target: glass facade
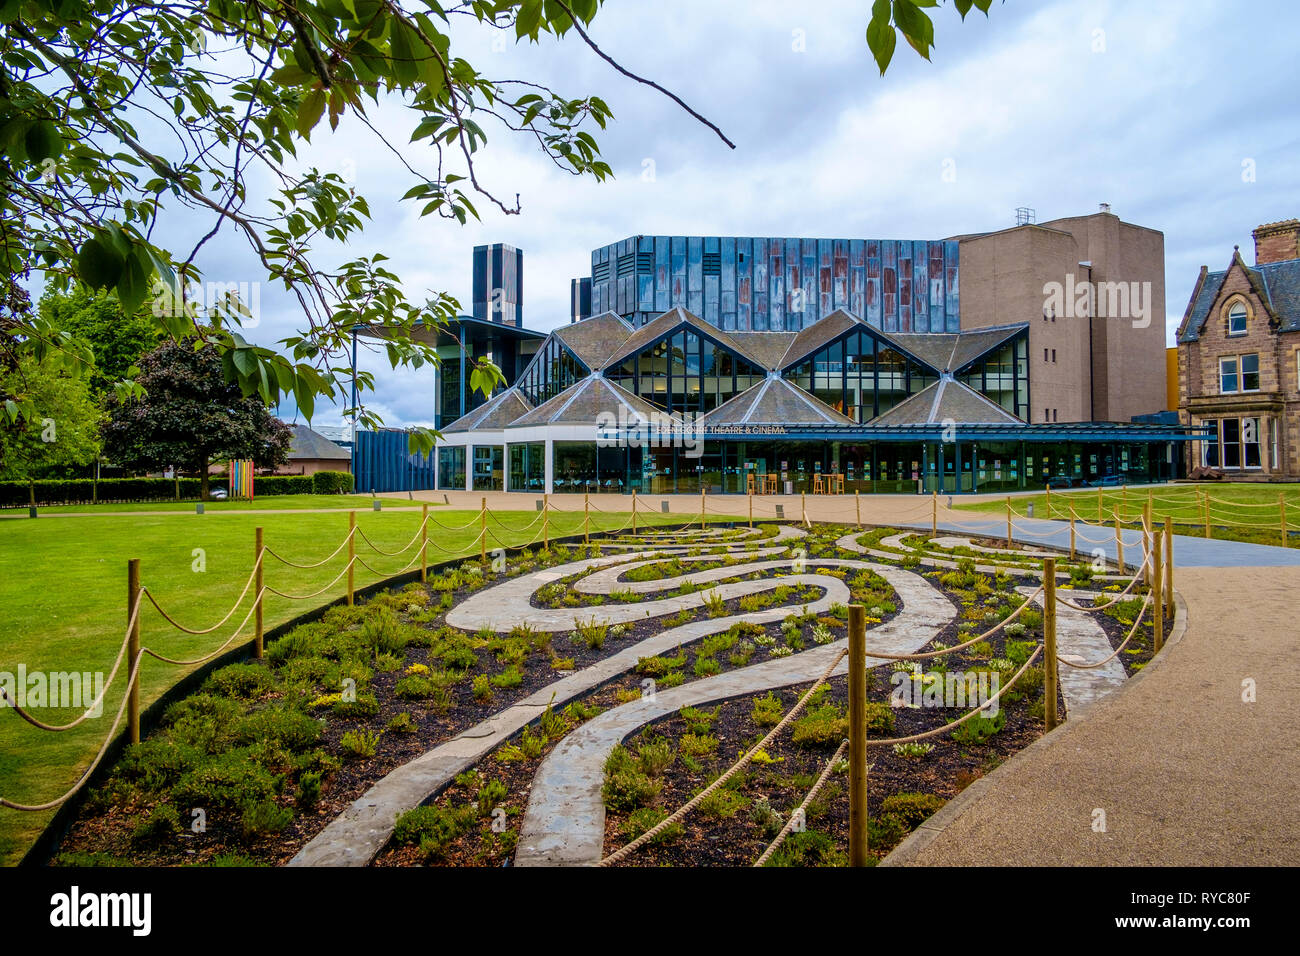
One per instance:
[(1003, 376), (860, 375), (527, 467), (552, 371), (489, 474), (686, 373), (451, 467)]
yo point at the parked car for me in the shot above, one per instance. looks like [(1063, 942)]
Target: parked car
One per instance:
[(1108, 481), (1060, 481)]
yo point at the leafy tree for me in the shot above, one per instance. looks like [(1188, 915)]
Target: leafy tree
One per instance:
[(119, 117), (62, 429), (190, 415), (116, 341)]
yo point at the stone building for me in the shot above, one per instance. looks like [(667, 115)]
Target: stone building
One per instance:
[(1239, 361)]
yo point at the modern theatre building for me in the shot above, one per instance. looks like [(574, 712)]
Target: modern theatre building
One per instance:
[(985, 362)]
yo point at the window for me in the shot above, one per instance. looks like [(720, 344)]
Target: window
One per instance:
[(1228, 374), (1237, 319), (1053, 355), (1250, 373), (1210, 447), (1231, 440), (1044, 355)]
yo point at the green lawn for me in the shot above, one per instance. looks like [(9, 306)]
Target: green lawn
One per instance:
[(270, 502), (63, 596), (1238, 512)]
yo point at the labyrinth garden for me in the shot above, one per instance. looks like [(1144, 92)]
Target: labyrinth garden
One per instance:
[(553, 705)]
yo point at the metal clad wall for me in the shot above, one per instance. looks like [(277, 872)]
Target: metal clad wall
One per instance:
[(759, 284), (382, 462)]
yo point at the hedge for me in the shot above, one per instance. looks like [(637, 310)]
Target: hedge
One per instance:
[(332, 482), (75, 491)]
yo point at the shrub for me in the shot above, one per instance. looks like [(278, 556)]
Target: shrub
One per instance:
[(242, 681), (308, 789), (414, 687), (482, 689), (402, 723), (283, 727), (627, 787), (228, 780), (364, 706), (264, 818), (655, 756), (433, 828), (698, 721), (979, 728), (707, 667), (489, 795), (331, 483), (162, 823), (645, 819), (722, 804), (659, 666), (767, 711), (698, 745), (912, 809), (512, 676), (359, 743)]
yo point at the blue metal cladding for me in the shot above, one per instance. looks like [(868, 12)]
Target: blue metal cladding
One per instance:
[(780, 284), (382, 461)]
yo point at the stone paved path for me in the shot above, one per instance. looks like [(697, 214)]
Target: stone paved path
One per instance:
[(1185, 771), (564, 824)]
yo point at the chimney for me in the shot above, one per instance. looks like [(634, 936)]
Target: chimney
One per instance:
[(1277, 241), (1103, 207)]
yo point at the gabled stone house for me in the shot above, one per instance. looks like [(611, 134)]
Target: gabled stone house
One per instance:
[(1239, 361)]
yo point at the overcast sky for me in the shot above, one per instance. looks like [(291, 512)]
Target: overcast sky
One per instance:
[(1181, 114)]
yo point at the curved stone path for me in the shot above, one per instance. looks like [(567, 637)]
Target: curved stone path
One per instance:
[(564, 824), (360, 832)]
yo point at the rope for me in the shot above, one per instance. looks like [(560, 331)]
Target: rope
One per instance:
[(1133, 630), (112, 732), (206, 657), (207, 630), (1114, 600), (308, 567), (473, 521), (801, 810), (392, 554), (99, 700), (961, 720), (304, 597), (409, 564), (974, 640), (691, 804)]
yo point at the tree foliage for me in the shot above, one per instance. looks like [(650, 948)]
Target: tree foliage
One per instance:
[(61, 428), (119, 118), (116, 341), (191, 415)]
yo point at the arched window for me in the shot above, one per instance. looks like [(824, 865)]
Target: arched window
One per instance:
[(1237, 319)]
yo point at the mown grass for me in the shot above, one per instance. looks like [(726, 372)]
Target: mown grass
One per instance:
[(63, 596), (268, 503), (1238, 512)]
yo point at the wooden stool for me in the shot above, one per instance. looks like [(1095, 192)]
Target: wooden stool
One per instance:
[(750, 484), (819, 487)]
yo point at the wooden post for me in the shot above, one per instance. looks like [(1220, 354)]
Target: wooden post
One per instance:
[(857, 506), (1157, 602), (1050, 717), (934, 513), (352, 552), (133, 649), (1119, 544), (1281, 511), (1148, 532), (751, 513), (1048, 506), (482, 534), (703, 509), (1169, 567), (751, 509), (803, 502), (258, 553), (1072, 537), (424, 543), (586, 517), (1008, 522), (1207, 514), (1101, 514), (857, 735), (546, 519)]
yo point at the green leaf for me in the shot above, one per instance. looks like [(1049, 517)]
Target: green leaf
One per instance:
[(98, 264), (310, 110), (881, 41), (915, 26), (402, 53), (134, 281), (43, 141)]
